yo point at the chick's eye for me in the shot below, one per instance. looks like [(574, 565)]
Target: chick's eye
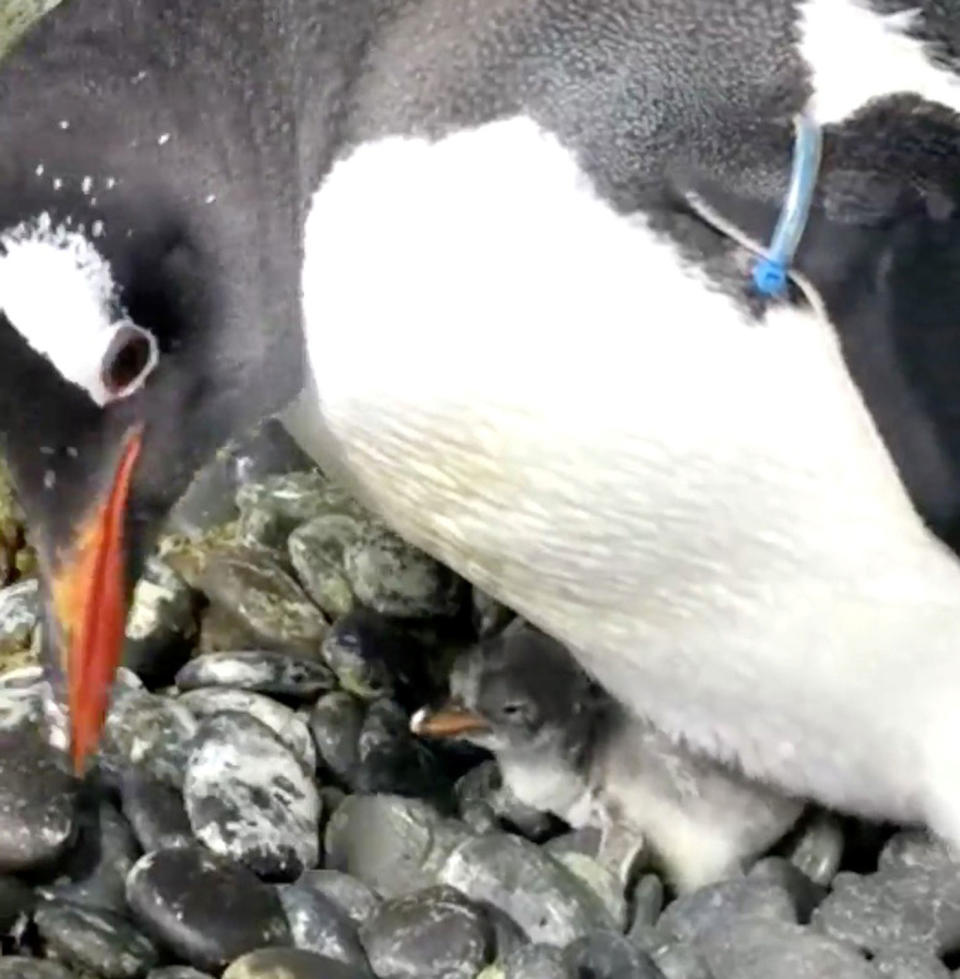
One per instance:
[(128, 361), (514, 710)]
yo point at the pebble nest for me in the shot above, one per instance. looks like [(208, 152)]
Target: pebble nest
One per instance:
[(260, 810)]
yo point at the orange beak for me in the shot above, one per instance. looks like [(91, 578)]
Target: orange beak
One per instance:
[(448, 722), (89, 602)]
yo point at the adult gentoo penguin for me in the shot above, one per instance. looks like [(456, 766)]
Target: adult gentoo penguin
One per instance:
[(493, 260)]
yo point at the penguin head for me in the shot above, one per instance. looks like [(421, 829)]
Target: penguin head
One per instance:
[(139, 332), (518, 691)]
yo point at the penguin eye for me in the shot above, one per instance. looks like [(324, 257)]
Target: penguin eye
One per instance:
[(128, 361), (515, 710)]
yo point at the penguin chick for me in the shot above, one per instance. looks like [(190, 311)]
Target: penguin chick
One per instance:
[(566, 746)]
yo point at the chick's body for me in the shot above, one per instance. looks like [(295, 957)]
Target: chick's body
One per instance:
[(566, 746)]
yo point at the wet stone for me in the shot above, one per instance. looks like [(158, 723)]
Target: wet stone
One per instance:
[(265, 450), (189, 557), (319, 925), (156, 812), (25, 563), (125, 679), (916, 849), (33, 707), (394, 845), (205, 908), (317, 554), (286, 724), (37, 800), (30, 706), (10, 521), (544, 898), (221, 632), (602, 881), (395, 578), (911, 908), (585, 840), (805, 893), (819, 848), (352, 896), (677, 960), (291, 963), (248, 797), (910, 964), (335, 723), (392, 760), (16, 900), (480, 818), (275, 674), (608, 955), (161, 624), (21, 967), (255, 589), (22, 707), (374, 657), (433, 934), (97, 940), (19, 615), (178, 972), (651, 940), (94, 872), (23, 677), (693, 915), (535, 962), (257, 528), (146, 731), (507, 934), (755, 948), (11, 514), (271, 508), (330, 799)]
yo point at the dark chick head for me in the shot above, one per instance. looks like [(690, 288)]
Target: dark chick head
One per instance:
[(139, 327), (519, 690)]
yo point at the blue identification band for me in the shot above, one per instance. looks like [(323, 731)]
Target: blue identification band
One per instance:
[(770, 272)]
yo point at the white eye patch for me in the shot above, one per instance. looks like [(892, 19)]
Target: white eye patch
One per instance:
[(58, 292)]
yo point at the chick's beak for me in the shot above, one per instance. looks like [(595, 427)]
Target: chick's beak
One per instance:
[(449, 721), (88, 591)]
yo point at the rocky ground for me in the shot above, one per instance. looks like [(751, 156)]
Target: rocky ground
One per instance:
[(259, 808)]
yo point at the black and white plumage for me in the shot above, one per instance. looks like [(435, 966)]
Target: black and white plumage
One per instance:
[(462, 249), (566, 746)]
